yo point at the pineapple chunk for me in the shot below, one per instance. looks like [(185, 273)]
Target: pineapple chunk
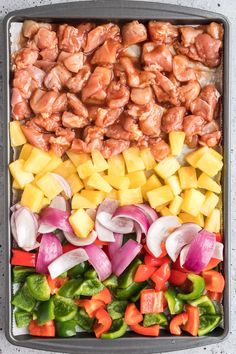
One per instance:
[(175, 205), (75, 183), (148, 159), (167, 167), (176, 140), (166, 212), (130, 196), (95, 197), (65, 169), (194, 156), (210, 203), (100, 164), (49, 185), (19, 174), (25, 152), (86, 169), (187, 177), (193, 201), (152, 183), (212, 223), (160, 207), (16, 135), (113, 194), (136, 179), (98, 182), (15, 185), (36, 161), (45, 202), (173, 183), (77, 159), (118, 182), (209, 164), (79, 201), (116, 165), (198, 219), (206, 182), (53, 164), (81, 223), (133, 160), (32, 198), (216, 154), (160, 196)]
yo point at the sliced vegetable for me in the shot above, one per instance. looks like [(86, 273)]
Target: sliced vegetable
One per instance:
[(152, 331), (90, 274), (65, 185), (212, 264), (116, 309), (154, 261), (64, 309), (23, 258), (45, 312), (23, 299), (78, 270), (99, 260), (134, 213), (49, 250), (103, 324), (113, 247), (47, 330), (214, 281), (127, 276), (177, 278), (56, 217), (83, 320), (175, 305), (66, 329), (74, 240), (192, 323), (111, 282), (205, 305), (90, 306), (127, 293), (55, 284), (160, 276), (143, 272), (198, 286), (125, 256), (218, 251), (151, 319), (177, 321), (151, 301), (38, 287), (214, 296), (89, 287), (132, 315), (150, 213), (104, 234), (22, 318), (117, 330), (208, 323), (70, 288), (20, 273), (59, 202), (104, 295)]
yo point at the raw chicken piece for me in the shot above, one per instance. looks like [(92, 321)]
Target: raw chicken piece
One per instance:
[(211, 139), (117, 95), (60, 104), (133, 32), (49, 124), (172, 120), (157, 57), (76, 105), (188, 35), (83, 30), (183, 68), (116, 131), (192, 125), (28, 80), (45, 39), (159, 148), (133, 52), (208, 49), (69, 38), (100, 34), (74, 62), (77, 82), (30, 28), (35, 137), (141, 96), (104, 117), (71, 120), (107, 53), (49, 54), (162, 32), (19, 105), (112, 147), (205, 104), (42, 101), (97, 84), (215, 30), (62, 142), (25, 57), (130, 124), (165, 90), (57, 78), (150, 122), (189, 92)]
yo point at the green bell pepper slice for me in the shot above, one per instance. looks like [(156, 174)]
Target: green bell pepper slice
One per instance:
[(22, 318), (116, 309), (20, 273), (208, 323), (89, 287), (23, 299), (64, 308), (198, 286), (175, 304), (66, 329), (38, 287), (126, 278), (117, 330), (69, 288), (151, 319), (205, 305), (45, 311), (78, 270), (90, 274), (83, 320), (130, 291), (111, 282)]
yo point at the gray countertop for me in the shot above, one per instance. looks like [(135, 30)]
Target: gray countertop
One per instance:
[(228, 8)]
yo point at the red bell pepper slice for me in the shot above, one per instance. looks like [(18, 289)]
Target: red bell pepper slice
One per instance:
[(192, 324), (177, 321), (152, 261), (214, 296), (98, 242), (163, 248), (91, 306), (104, 296), (68, 247), (47, 330), (219, 237), (176, 265), (214, 281), (151, 301), (143, 273), (160, 276), (23, 258), (177, 278), (104, 322), (132, 315), (152, 331), (212, 264), (55, 284)]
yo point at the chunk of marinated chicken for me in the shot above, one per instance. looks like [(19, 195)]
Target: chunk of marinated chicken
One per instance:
[(117, 95), (45, 65), (69, 38), (150, 123), (19, 106), (100, 34), (78, 81), (116, 131), (188, 35), (74, 62), (45, 39), (97, 84), (162, 32), (35, 137), (107, 53), (159, 148), (215, 30), (133, 52), (191, 141), (135, 77), (42, 101), (164, 89), (133, 32), (49, 54), (112, 147), (28, 80), (192, 125), (76, 105), (93, 132), (103, 117), (60, 103), (50, 124), (25, 57), (62, 142), (157, 57), (183, 68), (141, 96), (211, 139), (30, 28), (189, 92), (83, 30), (208, 49), (172, 120), (205, 104), (57, 78), (71, 120), (130, 124)]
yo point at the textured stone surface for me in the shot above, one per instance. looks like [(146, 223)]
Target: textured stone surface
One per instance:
[(228, 8)]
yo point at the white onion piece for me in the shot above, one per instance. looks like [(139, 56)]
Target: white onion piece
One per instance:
[(179, 238), (119, 225), (159, 231), (76, 241), (59, 202), (218, 251), (183, 254), (65, 185), (138, 232), (103, 233), (46, 229), (67, 261)]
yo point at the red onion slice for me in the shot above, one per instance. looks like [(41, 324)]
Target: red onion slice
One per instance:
[(181, 237), (150, 213), (103, 233), (60, 203), (218, 251), (50, 249), (65, 185), (113, 247), (67, 261), (183, 254), (159, 231), (138, 232), (200, 252), (76, 241), (99, 260), (57, 218), (134, 213), (124, 256)]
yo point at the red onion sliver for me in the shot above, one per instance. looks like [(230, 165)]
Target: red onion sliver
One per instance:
[(138, 232), (124, 256), (50, 249), (65, 185), (113, 247), (159, 231), (134, 213), (99, 260), (150, 213), (46, 229), (200, 251), (60, 203), (67, 261), (218, 251), (76, 241), (57, 218), (183, 254), (103, 233), (120, 225)]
